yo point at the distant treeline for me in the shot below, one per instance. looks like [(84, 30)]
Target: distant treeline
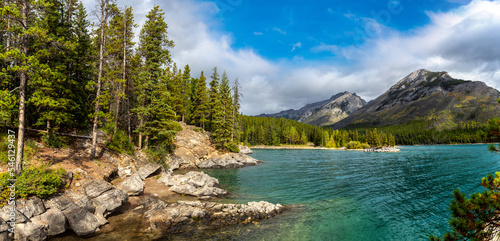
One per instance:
[(276, 131)]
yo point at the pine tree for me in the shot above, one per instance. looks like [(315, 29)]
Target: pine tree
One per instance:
[(226, 100), (214, 108), (153, 49), (119, 52), (104, 14), (20, 62), (216, 111), (199, 100), (236, 110), (55, 90), (185, 94)]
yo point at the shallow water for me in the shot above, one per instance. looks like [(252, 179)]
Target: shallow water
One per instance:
[(356, 195)]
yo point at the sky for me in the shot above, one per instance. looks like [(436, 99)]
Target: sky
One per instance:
[(288, 53)]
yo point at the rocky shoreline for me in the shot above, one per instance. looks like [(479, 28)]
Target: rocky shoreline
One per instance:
[(89, 200)]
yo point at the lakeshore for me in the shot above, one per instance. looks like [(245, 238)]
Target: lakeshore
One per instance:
[(130, 197)]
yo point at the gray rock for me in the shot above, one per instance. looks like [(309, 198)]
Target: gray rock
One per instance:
[(31, 207), (133, 185), (30, 231), (124, 171), (54, 221), (245, 149), (7, 213), (149, 169), (60, 202), (96, 187), (193, 183), (81, 221), (230, 160), (109, 201)]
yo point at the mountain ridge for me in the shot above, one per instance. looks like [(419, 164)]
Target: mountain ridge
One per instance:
[(326, 112), (434, 96)]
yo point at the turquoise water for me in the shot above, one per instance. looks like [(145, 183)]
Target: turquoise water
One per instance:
[(350, 195)]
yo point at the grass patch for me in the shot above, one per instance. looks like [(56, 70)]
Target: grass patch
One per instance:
[(30, 149), (34, 181)]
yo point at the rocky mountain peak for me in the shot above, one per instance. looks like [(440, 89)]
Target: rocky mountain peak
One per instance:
[(428, 95), (326, 112)]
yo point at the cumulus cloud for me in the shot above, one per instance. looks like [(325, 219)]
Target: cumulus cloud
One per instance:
[(462, 42)]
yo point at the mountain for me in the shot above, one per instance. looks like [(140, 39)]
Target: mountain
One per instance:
[(325, 112), (431, 96)]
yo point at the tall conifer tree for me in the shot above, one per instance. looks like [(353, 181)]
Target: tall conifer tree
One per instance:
[(153, 49)]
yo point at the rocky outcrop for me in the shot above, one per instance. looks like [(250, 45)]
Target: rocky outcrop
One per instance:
[(194, 149), (325, 112), (182, 215), (192, 146), (382, 149), (230, 160), (83, 212), (148, 170), (133, 185), (193, 183), (245, 149)]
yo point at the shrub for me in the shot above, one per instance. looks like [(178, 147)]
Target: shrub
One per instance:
[(354, 145), (38, 181), (119, 142), (232, 147), (158, 154)]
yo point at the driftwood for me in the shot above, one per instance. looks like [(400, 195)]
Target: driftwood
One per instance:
[(57, 133)]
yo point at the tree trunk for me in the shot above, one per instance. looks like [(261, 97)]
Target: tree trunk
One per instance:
[(101, 60), (146, 142), (124, 64), (22, 93), (140, 135)]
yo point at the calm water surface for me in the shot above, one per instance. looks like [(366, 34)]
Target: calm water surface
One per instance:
[(350, 195)]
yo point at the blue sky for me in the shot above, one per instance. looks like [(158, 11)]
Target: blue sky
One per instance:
[(274, 29), (286, 54)]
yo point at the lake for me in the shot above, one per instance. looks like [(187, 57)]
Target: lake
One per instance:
[(351, 195)]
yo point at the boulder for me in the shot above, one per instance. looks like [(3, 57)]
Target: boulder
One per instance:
[(7, 212), (53, 220), (149, 169), (193, 183), (81, 221), (109, 201), (31, 207), (30, 231), (96, 187), (229, 160), (245, 149), (133, 185), (61, 202)]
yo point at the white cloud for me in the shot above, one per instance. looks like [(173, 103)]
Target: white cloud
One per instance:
[(258, 33), (279, 31), (296, 45), (463, 42)]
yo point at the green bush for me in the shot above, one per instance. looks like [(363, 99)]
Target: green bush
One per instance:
[(232, 147), (158, 154), (38, 181), (354, 145), (119, 142)]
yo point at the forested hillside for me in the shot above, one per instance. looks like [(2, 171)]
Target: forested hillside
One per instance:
[(59, 74)]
